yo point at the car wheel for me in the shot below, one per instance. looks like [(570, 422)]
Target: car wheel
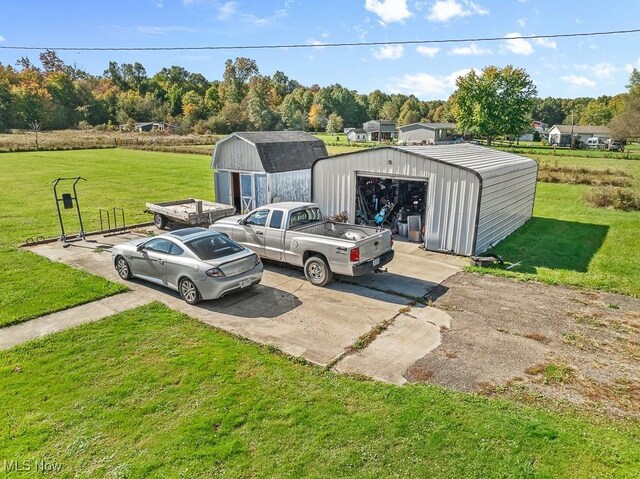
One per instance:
[(317, 271), (122, 267), (159, 220), (189, 291)]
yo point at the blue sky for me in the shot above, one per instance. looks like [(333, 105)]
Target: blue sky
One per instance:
[(565, 67)]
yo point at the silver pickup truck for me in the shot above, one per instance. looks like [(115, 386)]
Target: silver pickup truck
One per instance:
[(296, 233)]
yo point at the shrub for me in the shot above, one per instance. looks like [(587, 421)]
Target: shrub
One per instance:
[(616, 198), (582, 176)]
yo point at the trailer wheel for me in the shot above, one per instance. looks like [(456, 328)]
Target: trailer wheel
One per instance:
[(160, 221), (317, 271)]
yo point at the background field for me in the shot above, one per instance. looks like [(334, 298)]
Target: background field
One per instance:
[(116, 177)]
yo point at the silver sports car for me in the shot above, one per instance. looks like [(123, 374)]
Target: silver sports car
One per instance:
[(198, 263)]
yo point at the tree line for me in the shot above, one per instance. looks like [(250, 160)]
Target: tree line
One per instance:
[(55, 95)]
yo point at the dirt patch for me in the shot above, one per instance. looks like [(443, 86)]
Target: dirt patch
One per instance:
[(537, 343)]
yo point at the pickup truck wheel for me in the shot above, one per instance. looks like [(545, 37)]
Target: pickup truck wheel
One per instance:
[(317, 271), (159, 220)]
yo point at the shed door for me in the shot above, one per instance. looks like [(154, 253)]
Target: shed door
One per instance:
[(223, 187), (261, 190), (246, 193)]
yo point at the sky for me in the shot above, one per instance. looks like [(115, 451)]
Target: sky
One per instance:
[(561, 67)]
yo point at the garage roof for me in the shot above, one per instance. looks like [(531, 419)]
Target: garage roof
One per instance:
[(485, 162), (281, 151)]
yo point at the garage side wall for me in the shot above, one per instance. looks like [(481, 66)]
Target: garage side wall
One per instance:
[(290, 186), (506, 204), (417, 135), (452, 193)]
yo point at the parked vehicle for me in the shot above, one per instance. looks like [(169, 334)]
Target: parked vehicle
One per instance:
[(190, 211), (297, 234), (198, 263), (595, 143), (615, 146)]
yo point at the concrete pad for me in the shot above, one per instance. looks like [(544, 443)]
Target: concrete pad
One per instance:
[(410, 337), (413, 272), (52, 323)]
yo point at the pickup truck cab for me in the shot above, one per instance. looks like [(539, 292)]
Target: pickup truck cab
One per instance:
[(297, 234)]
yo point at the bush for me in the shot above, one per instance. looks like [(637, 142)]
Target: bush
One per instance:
[(616, 198), (582, 176)]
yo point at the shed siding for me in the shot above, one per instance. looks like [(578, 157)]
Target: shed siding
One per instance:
[(290, 186), (222, 187), (237, 155), (452, 193), (505, 206)]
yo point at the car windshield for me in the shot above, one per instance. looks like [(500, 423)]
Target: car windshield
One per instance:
[(304, 217), (213, 247)]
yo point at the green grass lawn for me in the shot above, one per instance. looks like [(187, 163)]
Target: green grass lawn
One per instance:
[(150, 392), (116, 177), (570, 243)]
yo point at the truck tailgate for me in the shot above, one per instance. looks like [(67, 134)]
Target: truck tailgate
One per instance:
[(375, 245)]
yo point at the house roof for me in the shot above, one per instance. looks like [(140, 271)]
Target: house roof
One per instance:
[(357, 130), (581, 129), (280, 151), (428, 126)]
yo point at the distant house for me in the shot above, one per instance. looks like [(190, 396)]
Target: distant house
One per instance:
[(260, 167), (380, 130), (356, 134), (146, 126), (561, 134), (427, 133), (539, 126)]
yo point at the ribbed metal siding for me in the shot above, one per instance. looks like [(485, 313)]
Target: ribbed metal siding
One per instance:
[(452, 193), (236, 155), (505, 206), (290, 185)]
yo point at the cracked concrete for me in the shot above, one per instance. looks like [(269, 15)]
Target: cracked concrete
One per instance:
[(318, 324)]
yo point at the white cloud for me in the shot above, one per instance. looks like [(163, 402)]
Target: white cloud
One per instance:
[(522, 22), (259, 21), (389, 11), (389, 52), (517, 45), (445, 10), (472, 49), (425, 85), (602, 71), (162, 30), (579, 81), (227, 10), (427, 51), (546, 43), (316, 43), (1, 39)]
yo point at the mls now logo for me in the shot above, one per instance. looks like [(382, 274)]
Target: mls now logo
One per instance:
[(27, 465)]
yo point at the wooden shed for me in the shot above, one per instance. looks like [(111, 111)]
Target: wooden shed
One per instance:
[(256, 168)]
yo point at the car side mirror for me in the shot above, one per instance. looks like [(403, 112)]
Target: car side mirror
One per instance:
[(242, 222), (140, 247)]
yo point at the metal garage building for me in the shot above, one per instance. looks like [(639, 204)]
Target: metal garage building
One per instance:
[(468, 197), (260, 167)]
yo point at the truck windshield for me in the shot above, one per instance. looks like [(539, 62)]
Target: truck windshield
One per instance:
[(305, 217)]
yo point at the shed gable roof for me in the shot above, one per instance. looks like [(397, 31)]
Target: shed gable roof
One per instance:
[(280, 151)]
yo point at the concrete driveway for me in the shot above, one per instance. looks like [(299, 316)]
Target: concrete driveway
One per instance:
[(318, 324)]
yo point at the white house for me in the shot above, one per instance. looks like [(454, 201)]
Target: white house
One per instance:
[(561, 134)]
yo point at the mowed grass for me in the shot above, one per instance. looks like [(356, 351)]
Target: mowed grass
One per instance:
[(152, 393), (34, 286), (568, 242)]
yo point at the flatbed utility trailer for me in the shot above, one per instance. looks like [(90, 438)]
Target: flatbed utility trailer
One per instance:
[(191, 211)]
